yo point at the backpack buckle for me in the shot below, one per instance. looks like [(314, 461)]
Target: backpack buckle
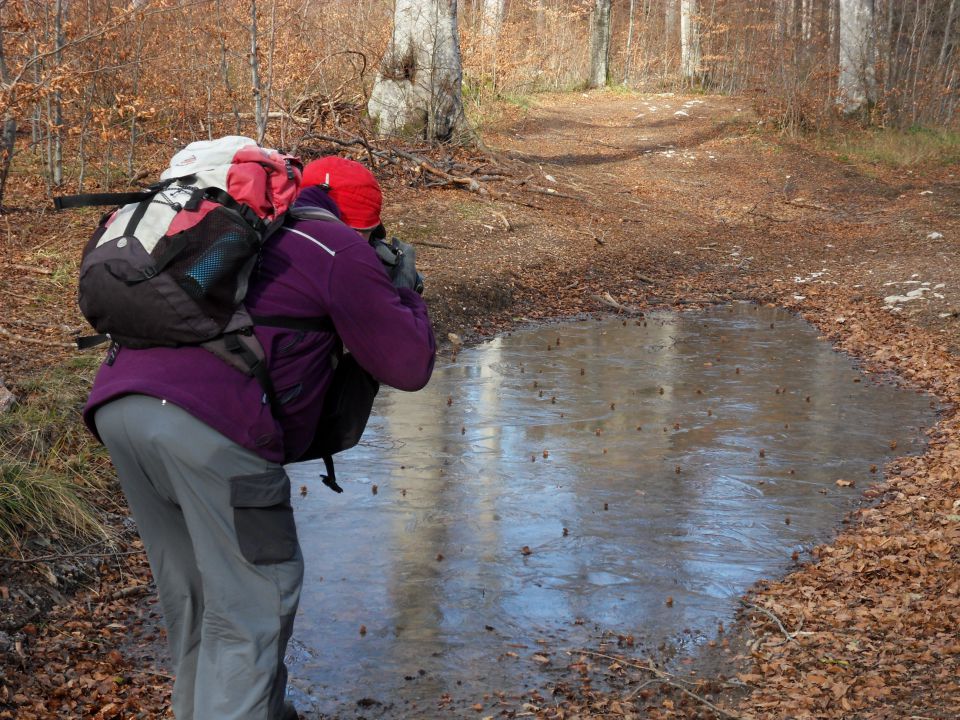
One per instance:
[(149, 272)]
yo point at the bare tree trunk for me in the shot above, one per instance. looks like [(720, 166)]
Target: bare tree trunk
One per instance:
[(945, 46), (492, 17), (260, 119), (600, 45), (8, 136), (857, 42), (629, 54), (268, 93), (88, 92), (541, 13), (132, 150), (36, 119), (671, 21), (56, 116), (417, 91), (671, 29), (225, 73), (689, 41)]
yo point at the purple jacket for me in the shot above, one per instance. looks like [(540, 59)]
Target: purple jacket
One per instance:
[(328, 271)]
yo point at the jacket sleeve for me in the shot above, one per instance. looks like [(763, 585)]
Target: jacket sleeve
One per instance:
[(387, 330)]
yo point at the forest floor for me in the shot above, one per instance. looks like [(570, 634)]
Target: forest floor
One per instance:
[(616, 203)]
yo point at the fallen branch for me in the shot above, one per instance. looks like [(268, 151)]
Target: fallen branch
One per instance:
[(666, 678), (767, 217), (18, 295), (800, 202), (791, 637), (607, 299), (31, 268), (34, 341), (132, 591), (427, 243), (371, 151), (67, 556), (421, 162)]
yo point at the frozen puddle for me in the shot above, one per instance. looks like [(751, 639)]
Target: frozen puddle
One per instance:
[(562, 483)]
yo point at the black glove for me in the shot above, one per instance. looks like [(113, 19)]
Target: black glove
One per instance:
[(399, 259)]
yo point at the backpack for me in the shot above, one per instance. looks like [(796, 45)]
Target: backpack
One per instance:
[(171, 267)]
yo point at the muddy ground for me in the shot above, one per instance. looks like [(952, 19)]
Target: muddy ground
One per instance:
[(617, 203)]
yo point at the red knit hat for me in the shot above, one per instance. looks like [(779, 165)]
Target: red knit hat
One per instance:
[(353, 188)]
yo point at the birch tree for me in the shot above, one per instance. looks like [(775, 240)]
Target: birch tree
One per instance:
[(600, 44), (689, 40), (492, 17), (857, 82), (417, 91)]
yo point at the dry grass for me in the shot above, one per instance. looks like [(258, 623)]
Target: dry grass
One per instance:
[(49, 469), (896, 148)]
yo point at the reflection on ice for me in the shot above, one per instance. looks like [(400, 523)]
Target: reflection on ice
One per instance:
[(626, 457)]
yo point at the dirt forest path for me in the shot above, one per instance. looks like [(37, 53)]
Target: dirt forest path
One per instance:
[(681, 202), (611, 203)]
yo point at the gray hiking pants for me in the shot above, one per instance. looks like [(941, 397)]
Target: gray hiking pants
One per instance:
[(219, 531)]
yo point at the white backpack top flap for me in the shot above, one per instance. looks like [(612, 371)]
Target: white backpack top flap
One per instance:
[(205, 155)]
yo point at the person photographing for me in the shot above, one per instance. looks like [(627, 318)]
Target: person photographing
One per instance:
[(199, 447)]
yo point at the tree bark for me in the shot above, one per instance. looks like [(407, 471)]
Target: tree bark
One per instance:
[(56, 114), (946, 34), (417, 91), (689, 41), (600, 44), (670, 23), (259, 117), (857, 83), (8, 136), (492, 17), (629, 53)]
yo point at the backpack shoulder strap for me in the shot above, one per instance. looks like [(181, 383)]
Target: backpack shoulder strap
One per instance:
[(65, 202)]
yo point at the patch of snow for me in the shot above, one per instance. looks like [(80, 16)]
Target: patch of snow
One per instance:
[(926, 192), (935, 236), (939, 286), (799, 297), (812, 276), (681, 113)]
